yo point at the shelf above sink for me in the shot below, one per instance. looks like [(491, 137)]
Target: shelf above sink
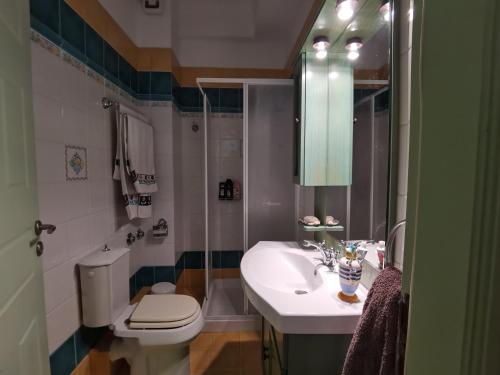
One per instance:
[(322, 228)]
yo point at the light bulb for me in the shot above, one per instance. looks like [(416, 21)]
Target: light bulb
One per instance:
[(321, 54), (353, 55), (334, 75), (385, 11), (345, 11)]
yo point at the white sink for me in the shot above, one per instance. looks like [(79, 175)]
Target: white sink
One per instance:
[(279, 281)]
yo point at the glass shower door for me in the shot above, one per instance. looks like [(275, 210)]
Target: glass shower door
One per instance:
[(270, 195), (207, 149)]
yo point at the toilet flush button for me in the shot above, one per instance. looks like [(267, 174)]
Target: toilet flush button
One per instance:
[(90, 274)]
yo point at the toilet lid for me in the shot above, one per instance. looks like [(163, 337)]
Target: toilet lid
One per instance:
[(164, 311)]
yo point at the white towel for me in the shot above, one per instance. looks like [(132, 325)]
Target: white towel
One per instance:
[(136, 205), (141, 163), (130, 196)]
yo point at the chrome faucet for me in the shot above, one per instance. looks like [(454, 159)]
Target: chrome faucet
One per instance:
[(390, 240), (329, 256)]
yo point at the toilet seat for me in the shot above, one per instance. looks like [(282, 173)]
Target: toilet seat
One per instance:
[(158, 336), (164, 311)]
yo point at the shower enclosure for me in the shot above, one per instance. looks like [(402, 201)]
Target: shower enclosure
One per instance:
[(370, 171), (255, 151)]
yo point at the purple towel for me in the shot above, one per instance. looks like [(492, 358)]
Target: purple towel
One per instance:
[(374, 343)]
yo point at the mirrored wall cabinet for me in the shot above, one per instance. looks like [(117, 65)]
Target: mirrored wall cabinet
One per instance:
[(344, 58), (323, 120)]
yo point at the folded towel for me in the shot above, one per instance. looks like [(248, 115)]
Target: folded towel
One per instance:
[(140, 153), (310, 220), (373, 346)]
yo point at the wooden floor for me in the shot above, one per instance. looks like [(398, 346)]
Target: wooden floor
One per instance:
[(231, 353)]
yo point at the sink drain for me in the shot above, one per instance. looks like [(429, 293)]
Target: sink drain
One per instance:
[(300, 291)]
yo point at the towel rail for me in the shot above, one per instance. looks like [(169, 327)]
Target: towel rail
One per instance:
[(108, 103), (390, 253)]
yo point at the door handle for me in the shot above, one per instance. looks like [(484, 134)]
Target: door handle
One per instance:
[(39, 248), (39, 228)]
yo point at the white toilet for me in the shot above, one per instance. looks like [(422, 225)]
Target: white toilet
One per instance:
[(153, 335)]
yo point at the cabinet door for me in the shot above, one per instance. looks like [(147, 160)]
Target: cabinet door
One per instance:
[(324, 94), (298, 97), (315, 117), (340, 123)]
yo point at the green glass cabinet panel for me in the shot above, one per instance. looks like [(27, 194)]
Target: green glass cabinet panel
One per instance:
[(340, 121), (324, 92)]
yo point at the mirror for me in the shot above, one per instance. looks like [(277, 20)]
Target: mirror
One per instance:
[(364, 41)]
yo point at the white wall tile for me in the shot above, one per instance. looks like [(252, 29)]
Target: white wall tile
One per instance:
[(56, 292), (77, 194), (56, 247), (48, 119), (46, 69), (62, 322), (79, 236), (50, 166), (52, 200), (74, 126)]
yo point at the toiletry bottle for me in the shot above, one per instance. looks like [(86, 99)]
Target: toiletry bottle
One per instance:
[(381, 254), (222, 191), (236, 190), (229, 189)]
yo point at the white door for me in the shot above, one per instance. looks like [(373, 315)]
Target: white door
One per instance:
[(23, 337)]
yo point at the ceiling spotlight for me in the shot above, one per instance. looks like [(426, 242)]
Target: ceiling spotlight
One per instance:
[(385, 10), (353, 45), (321, 44), (345, 9)]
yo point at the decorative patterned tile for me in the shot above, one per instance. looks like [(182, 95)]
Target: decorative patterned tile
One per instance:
[(45, 43), (76, 163), (73, 61)]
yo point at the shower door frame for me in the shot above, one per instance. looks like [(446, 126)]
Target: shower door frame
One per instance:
[(246, 83)]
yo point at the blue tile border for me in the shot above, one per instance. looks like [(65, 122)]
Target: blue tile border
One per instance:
[(195, 259), (67, 357), (60, 24)]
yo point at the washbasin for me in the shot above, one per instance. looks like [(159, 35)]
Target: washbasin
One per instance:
[(285, 271), (280, 282)]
